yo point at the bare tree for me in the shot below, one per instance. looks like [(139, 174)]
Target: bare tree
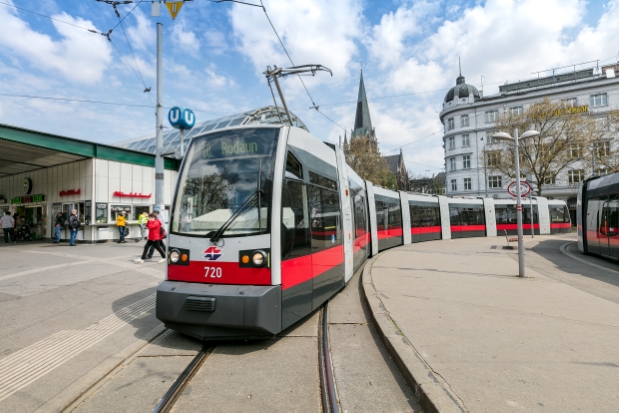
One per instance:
[(566, 136)]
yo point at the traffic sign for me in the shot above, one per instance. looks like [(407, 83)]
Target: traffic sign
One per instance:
[(181, 118), (525, 188), (174, 7)]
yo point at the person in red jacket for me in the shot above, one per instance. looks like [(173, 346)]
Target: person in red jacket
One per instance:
[(155, 235)]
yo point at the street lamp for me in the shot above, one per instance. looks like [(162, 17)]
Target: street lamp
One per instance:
[(506, 136)]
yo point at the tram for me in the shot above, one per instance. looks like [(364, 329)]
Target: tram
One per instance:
[(597, 216), (268, 223)]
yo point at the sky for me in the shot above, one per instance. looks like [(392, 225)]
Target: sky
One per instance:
[(215, 55)]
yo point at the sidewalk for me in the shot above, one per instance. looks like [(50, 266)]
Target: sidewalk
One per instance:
[(477, 338)]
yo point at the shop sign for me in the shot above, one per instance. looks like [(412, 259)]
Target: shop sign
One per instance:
[(131, 195), (70, 192), (27, 186), (28, 199)]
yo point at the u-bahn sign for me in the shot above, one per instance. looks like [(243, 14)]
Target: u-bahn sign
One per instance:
[(181, 118), (525, 188)]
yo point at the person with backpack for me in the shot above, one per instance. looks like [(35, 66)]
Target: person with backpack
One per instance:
[(155, 235), (74, 224), (58, 226), (160, 219)]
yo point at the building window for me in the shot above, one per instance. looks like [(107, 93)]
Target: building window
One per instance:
[(464, 120), (465, 139), (575, 175), (569, 102), (515, 111), (492, 116), (466, 162), (494, 182), (602, 148), (489, 134), (450, 123), (454, 185), (549, 180), (452, 143), (452, 164), (601, 123), (493, 158), (467, 183), (600, 99), (574, 151)]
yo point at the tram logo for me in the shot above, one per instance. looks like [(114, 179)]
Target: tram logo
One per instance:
[(212, 253)]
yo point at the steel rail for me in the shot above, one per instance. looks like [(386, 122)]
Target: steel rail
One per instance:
[(327, 384), (177, 388)]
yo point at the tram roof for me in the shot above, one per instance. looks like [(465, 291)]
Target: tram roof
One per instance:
[(25, 150), (266, 115)]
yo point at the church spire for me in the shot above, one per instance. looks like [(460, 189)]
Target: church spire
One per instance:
[(362, 117)]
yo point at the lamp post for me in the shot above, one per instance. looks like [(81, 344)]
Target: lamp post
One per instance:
[(505, 136)]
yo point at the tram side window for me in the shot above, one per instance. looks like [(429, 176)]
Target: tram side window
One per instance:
[(454, 216), (381, 215), (395, 215), (416, 212), (505, 214), (360, 217), (293, 167), (558, 214), (471, 216), (325, 227), (295, 220), (322, 181)]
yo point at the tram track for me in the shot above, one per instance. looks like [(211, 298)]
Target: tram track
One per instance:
[(328, 391)]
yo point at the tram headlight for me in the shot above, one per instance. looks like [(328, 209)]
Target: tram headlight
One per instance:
[(175, 256), (258, 258)]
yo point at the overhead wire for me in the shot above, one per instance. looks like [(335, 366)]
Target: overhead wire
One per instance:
[(146, 89), (51, 18), (100, 102)]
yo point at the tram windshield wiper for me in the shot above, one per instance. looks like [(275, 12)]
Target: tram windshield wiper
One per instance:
[(245, 206)]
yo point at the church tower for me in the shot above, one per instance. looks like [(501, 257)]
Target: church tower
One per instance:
[(363, 124)]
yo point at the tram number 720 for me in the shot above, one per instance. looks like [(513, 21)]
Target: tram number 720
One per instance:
[(213, 272)]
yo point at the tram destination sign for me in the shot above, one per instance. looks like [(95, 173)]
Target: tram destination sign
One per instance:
[(28, 199)]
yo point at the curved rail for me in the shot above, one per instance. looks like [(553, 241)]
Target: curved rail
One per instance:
[(327, 385), (168, 399)]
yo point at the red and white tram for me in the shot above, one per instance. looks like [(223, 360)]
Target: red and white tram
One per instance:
[(268, 223)]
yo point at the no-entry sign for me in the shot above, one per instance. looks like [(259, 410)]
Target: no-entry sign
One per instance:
[(525, 188)]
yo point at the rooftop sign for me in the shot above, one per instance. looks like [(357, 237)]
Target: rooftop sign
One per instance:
[(546, 81)]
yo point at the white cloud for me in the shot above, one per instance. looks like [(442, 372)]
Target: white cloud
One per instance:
[(80, 56), (142, 35), (186, 40), (216, 42), (314, 32)]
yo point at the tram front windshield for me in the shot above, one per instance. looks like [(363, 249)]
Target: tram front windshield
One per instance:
[(226, 183)]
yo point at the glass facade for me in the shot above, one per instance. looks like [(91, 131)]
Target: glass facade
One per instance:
[(267, 115)]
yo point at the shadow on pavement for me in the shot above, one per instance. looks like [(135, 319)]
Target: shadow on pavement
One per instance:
[(551, 250)]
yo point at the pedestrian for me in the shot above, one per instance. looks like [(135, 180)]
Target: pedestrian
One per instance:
[(142, 219), (155, 234), (16, 225), (7, 227), (121, 222), (152, 248), (74, 224), (58, 227)]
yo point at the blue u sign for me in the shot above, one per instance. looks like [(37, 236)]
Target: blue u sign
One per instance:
[(181, 118)]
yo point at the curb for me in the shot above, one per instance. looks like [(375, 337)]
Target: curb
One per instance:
[(431, 390)]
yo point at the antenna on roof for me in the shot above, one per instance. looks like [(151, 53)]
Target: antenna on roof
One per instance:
[(459, 66)]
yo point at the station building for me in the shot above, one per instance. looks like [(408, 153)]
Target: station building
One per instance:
[(42, 174), (469, 122)]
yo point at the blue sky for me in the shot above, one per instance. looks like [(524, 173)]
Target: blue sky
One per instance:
[(215, 53)]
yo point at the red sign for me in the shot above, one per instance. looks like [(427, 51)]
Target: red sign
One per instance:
[(518, 207), (70, 192), (525, 188), (131, 195)]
